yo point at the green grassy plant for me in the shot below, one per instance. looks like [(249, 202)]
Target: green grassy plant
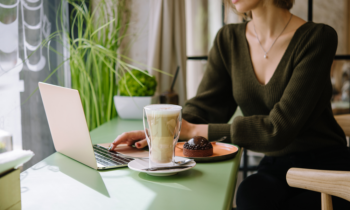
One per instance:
[(96, 35)]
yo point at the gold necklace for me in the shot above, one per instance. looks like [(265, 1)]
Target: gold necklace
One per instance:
[(256, 35)]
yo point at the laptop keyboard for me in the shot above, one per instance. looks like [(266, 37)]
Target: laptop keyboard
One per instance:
[(108, 158)]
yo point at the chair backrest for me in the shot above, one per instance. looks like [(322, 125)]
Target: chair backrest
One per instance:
[(335, 183), (344, 122)]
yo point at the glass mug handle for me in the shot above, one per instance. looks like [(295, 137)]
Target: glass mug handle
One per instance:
[(177, 130), (146, 128)]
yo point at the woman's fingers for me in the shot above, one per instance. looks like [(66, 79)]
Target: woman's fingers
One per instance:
[(127, 137), (141, 144)]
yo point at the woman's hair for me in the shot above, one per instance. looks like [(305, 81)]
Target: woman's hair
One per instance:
[(284, 4)]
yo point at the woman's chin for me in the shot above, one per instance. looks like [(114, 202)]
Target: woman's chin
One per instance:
[(241, 8)]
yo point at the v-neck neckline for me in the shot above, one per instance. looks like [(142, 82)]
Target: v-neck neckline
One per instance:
[(285, 56)]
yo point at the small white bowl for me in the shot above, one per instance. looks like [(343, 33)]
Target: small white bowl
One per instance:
[(131, 107)]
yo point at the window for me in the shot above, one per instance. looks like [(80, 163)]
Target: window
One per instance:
[(24, 25)]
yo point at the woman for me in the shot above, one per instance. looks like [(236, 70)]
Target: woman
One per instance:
[(276, 67)]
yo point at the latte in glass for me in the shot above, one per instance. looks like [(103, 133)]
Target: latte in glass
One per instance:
[(162, 127)]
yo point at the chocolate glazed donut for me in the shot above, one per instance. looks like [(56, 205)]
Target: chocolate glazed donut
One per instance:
[(197, 146)]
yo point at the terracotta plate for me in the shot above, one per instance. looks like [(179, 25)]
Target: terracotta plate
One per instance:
[(221, 151)]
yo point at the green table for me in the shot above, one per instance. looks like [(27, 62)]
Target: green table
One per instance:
[(59, 182)]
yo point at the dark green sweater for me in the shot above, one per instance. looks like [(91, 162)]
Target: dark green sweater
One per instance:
[(291, 113)]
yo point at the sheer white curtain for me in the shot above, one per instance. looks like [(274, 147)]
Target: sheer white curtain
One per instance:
[(167, 44)]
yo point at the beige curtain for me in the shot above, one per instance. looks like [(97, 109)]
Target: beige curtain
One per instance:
[(167, 44)]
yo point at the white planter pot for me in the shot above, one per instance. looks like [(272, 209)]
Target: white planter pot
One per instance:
[(131, 107)]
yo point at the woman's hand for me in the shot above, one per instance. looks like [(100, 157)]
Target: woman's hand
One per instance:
[(188, 130), (137, 137)]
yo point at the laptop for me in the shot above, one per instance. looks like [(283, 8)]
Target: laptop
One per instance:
[(69, 130)]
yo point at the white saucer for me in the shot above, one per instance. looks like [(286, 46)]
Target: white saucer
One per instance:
[(139, 165)]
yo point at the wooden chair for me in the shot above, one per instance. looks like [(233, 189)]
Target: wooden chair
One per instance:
[(328, 183)]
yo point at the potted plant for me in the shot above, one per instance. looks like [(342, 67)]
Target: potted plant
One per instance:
[(136, 89)]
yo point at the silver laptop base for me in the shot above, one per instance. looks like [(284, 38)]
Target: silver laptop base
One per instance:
[(109, 159)]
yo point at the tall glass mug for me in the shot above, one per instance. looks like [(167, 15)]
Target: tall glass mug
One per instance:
[(162, 124)]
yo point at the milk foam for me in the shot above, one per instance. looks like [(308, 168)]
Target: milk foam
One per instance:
[(163, 109)]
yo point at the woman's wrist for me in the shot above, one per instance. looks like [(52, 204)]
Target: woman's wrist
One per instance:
[(190, 130), (200, 130)]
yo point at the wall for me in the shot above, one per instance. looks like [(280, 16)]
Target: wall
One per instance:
[(197, 42)]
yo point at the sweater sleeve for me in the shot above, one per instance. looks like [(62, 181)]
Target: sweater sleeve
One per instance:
[(214, 102), (305, 93)]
